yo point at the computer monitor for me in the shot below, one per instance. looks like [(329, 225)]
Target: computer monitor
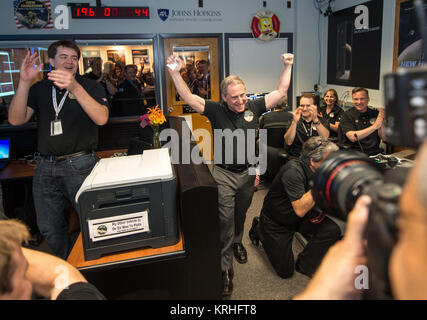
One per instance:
[(4, 152), (6, 81), (4, 148)]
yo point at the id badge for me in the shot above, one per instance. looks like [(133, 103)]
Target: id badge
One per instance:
[(55, 128)]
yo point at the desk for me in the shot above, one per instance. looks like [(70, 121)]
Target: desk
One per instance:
[(19, 169), (16, 182), (76, 257), (190, 269)]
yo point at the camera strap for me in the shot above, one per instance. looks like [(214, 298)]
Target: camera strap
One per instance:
[(316, 212), (319, 218)]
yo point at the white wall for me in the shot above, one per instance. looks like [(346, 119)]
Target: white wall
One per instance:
[(306, 49), (234, 17)]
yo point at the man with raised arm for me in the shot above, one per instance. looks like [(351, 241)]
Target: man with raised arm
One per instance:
[(235, 186), (68, 108)]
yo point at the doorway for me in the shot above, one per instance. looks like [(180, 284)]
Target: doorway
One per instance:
[(201, 73)]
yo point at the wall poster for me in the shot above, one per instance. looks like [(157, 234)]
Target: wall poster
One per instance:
[(89, 56), (407, 41), (354, 45), (117, 57)]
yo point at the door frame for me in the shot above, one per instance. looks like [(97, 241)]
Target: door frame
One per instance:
[(162, 58), (288, 36)]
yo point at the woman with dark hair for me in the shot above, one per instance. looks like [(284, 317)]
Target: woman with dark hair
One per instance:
[(331, 112)]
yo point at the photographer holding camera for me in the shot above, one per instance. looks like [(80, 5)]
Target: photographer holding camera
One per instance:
[(289, 207), (335, 278)]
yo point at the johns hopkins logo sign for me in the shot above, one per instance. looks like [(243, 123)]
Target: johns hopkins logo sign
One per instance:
[(196, 15), (163, 14)]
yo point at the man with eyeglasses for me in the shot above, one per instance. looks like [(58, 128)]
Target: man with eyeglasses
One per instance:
[(305, 124), (289, 207), (69, 109), (362, 127)]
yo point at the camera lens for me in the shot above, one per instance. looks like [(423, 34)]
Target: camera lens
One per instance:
[(342, 178)]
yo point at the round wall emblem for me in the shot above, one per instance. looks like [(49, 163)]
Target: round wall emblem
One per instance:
[(265, 25)]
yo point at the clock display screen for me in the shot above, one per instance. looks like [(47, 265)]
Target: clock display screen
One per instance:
[(110, 12)]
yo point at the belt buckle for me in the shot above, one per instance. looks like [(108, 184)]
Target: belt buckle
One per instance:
[(50, 158)]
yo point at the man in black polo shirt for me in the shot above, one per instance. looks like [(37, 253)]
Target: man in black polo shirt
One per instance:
[(235, 115), (69, 109), (362, 127), (289, 207), (305, 124)]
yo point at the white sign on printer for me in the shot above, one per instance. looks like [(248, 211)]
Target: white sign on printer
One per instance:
[(119, 226)]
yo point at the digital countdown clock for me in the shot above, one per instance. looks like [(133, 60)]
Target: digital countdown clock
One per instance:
[(80, 12)]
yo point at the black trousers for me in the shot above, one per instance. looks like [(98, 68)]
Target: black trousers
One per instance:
[(277, 242)]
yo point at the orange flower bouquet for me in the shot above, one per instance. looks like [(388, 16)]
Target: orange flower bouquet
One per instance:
[(154, 118)]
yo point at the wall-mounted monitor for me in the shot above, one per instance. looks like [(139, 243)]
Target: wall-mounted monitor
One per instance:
[(6, 81)]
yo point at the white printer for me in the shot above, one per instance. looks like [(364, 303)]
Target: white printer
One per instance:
[(127, 203)]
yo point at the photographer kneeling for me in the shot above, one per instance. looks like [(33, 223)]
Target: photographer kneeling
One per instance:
[(335, 278), (289, 207)]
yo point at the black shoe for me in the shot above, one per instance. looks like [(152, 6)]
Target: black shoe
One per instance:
[(240, 253), (304, 272), (253, 233), (227, 282)]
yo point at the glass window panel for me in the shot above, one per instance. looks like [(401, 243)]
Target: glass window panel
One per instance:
[(108, 52), (195, 71), (11, 55), (130, 93)]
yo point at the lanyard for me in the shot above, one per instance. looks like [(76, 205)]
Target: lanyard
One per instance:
[(306, 131), (55, 102)]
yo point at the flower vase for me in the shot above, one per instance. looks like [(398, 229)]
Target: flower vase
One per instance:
[(156, 138)]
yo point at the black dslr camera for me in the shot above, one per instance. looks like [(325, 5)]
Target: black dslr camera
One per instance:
[(346, 175), (341, 179), (406, 107)]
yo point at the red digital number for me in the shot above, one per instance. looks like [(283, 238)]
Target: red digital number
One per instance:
[(107, 12), (145, 12), (84, 11), (91, 12), (138, 12)]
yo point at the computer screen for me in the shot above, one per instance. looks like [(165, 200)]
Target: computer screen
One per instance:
[(6, 81), (4, 148)]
